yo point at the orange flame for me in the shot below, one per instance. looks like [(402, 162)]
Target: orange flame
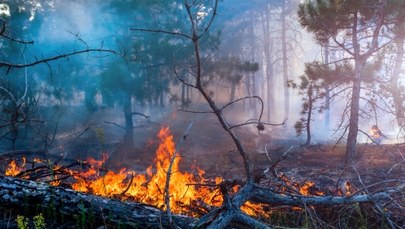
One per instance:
[(13, 169), (309, 189), (185, 189), (150, 188)]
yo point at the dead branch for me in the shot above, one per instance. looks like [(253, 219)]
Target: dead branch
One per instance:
[(161, 31), (274, 164), (195, 112), (10, 66), (260, 125), (169, 173), (3, 34), (121, 126), (141, 114), (267, 196)]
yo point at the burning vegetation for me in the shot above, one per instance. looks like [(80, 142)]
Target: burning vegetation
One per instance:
[(190, 193), (194, 195), (222, 77)]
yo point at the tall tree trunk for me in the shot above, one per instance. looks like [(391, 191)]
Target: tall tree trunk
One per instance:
[(188, 94), (162, 99), (270, 90), (269, 64), (309, 117), (327, 93), (253, 53), (355, 100), (129, 123), (285, 60), (248, 92), (395, 88), (354, 116), (233, 91), (183, 95)]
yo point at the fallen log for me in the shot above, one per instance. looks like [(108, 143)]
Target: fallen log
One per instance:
[(20, 194), (267, 196), (17, 193)]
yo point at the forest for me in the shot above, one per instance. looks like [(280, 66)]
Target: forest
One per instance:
[(202, 114)]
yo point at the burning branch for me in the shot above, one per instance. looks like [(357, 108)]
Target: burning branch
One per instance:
[(169, 173)]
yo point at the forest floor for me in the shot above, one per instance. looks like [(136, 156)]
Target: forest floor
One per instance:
[(209, 148)]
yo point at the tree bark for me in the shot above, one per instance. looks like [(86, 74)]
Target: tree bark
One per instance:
[(354, 114), (356, 88)]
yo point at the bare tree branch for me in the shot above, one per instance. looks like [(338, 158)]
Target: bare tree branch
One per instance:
[(3, 34), (161, 31), (46, 60)]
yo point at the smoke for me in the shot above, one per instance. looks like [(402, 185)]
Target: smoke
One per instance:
[(78, 23)]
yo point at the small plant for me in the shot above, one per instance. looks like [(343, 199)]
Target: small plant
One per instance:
[(39, 221), (22, 222)]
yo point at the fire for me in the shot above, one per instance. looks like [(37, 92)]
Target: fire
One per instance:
[(309, 189), (13, 169), (150, 187), (187, 191), (376, 134)]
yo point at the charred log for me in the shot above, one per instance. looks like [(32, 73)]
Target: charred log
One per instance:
[(265, 195), (15, 193)]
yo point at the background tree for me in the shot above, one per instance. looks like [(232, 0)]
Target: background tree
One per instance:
[(311, 88), (356, 27)]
